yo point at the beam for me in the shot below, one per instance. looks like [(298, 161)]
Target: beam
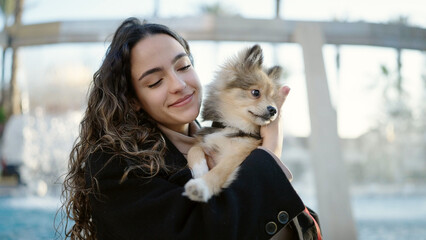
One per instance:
[(224, 29)]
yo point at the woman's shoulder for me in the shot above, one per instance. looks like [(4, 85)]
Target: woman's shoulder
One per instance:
[(104, 163), (107, 163)]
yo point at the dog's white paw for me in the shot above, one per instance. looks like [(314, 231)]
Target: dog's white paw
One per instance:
[(200, 169), (197, 190)]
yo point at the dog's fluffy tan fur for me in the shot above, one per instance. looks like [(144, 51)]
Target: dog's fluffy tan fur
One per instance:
[(241, 98)]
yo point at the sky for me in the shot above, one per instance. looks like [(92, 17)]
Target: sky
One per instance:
[(365, 10), (355, 90)]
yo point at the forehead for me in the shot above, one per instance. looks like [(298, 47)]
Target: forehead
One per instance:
[(155, 48)]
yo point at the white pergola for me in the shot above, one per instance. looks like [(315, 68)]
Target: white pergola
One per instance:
[(224, 29), (330, 174)]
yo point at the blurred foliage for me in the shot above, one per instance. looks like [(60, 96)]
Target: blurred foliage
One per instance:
[(217, 9), (400, 20), (394, 95), (385, 70), (7, 8), (2, 115), (395, 146)]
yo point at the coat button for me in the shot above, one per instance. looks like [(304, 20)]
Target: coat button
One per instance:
[(283, 217), (271, 228)]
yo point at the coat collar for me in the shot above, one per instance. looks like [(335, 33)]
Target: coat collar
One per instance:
[(174, 158), (183, 142)]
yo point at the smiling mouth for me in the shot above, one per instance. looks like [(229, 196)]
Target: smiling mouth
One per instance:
[(182, 101)]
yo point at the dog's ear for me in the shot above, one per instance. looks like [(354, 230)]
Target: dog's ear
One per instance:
[(254, 57), (275, 73)]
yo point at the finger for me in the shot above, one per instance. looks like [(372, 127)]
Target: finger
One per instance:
[(282, 95)]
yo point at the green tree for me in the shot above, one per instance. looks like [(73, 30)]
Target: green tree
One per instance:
[(7, 8), (11, 8)]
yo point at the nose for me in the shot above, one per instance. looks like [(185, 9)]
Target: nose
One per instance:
[(272, 111), (177, 83)]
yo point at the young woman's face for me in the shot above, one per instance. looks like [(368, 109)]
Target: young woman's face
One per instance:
[(166, 85)]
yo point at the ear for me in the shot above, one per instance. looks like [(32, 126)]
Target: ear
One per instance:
[(275, 73), (254, 57)]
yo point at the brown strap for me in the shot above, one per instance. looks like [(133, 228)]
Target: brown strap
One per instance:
[(319, 237)]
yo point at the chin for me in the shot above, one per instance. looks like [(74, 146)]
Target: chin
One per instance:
[(188, 117)]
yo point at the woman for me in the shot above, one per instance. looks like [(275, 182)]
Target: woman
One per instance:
[(128, 167)]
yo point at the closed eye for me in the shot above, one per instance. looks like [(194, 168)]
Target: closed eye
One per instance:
[(155, 84), (184, 68)]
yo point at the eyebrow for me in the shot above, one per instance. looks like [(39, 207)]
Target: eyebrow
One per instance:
[(157, 69)]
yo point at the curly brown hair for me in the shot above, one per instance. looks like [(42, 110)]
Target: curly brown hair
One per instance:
[(112, 124)]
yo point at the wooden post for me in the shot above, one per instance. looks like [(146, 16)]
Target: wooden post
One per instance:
[(14, 90), (330, 174)]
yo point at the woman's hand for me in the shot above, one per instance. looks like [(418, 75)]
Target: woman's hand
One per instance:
[(272, 134)]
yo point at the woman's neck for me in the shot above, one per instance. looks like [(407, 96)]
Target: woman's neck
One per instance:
[(181, 128)]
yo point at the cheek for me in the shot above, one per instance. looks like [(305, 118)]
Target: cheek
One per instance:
[(151, 100), (193, 80)]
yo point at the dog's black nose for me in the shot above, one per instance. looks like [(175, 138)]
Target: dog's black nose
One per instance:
[(272, 111)]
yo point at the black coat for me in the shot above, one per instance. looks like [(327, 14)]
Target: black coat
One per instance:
[(154, 208)]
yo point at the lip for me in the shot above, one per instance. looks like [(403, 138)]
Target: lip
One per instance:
[(182, 101)]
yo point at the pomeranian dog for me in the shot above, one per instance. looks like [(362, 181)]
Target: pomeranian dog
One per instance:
[(241, 98)]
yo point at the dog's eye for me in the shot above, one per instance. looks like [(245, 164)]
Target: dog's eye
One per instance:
[(255, 93)]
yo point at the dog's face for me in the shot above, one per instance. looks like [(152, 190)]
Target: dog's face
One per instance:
[(246, 92)]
